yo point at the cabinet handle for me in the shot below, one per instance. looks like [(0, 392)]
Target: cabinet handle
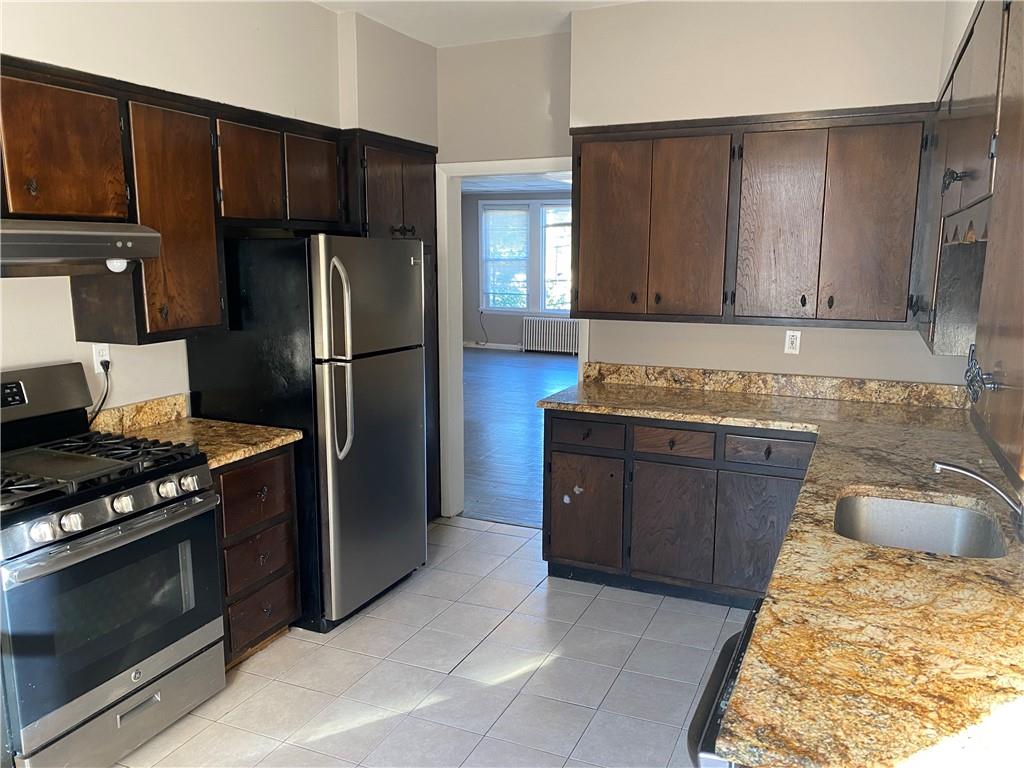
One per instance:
[(632, 297), (263, 557), (586, 434), (831, 302), (411, 231), (268, 609), (32, 187), (263, 493), (951, 177), (767, 453), (671, 443), (400, 231), (803, 299), (657, 298)]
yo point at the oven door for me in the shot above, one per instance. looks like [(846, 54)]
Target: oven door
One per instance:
[(87, 622)]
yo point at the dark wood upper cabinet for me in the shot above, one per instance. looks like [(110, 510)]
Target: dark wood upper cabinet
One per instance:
[(311, 173), (673, 522), (586, 502), (251, 176), (62, 152), (174, 188), (781, 198), (868, 226), (689, 212), (418, 206), (753, 513), (1000, 334), (385, 216), (614, 226)]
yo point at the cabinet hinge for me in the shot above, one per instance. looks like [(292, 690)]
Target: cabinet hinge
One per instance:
[(128, 193), (220, 196), (579, 161), (631, 475), (924, 142), (222, 306), (213, 139), (364, 227), (732, 152), (363, 163), (120, 123), (548, 466), (725, 297), (993, 146), (629, 550), (739, 151)]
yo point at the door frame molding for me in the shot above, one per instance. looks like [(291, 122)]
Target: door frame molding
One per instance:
[(449, 306)]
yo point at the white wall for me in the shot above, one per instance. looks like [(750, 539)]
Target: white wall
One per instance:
[(957, 15), (677, 61), (278, 57), (504, 100)]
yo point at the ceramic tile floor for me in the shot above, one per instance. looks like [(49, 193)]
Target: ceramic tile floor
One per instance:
[(477, 659)]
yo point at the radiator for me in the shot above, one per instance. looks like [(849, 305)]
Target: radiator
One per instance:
[(551, 334)]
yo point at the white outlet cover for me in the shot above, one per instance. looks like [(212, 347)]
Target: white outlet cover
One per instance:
[(792, 345), (100, 352)]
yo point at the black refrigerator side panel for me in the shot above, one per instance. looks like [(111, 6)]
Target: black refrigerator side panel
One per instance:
[(260, 371)]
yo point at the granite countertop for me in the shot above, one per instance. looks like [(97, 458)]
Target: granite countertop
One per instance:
[(223, 442), (864, 655)]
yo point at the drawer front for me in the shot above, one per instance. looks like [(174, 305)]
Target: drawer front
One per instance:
[(674, 442), (256, 492), (770, 452), (592, 433), (263, 610), (258, 557)]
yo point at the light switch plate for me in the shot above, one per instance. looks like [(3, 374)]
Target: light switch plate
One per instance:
[(100, 352), (792, 345)]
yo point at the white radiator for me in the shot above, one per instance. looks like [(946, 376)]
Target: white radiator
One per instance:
[(551, 334)]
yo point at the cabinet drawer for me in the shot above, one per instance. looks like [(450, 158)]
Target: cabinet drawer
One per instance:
[(674, 442), (593, 433), (257, 557), (256, 492), (790, 454), (263, 610)]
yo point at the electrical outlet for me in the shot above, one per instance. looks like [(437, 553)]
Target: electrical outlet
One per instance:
[(792, 345), (100, 352)]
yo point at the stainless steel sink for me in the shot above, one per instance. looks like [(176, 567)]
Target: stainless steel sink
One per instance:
[(918, 525)]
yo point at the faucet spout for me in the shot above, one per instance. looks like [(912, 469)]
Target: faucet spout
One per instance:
[(1016, 506)]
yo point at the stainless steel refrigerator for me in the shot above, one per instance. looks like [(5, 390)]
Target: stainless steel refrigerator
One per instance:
[(325, 334)]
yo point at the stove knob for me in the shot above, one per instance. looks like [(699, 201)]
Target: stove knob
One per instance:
[(168, 489), (42, 532), (123, 504), (189, 483), (72, 521)]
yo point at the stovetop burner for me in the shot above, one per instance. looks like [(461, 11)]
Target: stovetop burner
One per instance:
[(19, 488)]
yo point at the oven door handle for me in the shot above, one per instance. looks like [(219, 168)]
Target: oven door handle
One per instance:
[(49, 561)]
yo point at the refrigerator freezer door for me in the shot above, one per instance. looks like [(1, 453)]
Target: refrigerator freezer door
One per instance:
[(367, 296), (372, 474)]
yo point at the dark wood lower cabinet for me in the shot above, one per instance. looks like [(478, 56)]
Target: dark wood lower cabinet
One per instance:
[(586, 509), (753, 514), (673, 528)]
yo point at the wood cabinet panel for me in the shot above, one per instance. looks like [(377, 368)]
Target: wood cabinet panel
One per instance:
[(673, 526), (271, 606), (251, 175), (174, 194), (418, 208), (585, 504), (1000, 334), (674, 442), (781, 199), (256, 492), (257, 557), (311, 174), (61, 151), (689, 212), (769, 452), (752, 515), (614, 228), (384, 204), (593, 434), (868, 227)]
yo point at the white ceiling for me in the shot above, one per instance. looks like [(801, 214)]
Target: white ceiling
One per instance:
[(558, 181), (464, 22)]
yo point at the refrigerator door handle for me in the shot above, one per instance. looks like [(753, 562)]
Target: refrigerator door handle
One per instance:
[(342, 451), (346, 290)]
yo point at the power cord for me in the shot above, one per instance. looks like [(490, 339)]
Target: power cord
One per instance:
[(105, 365), (487, 339)]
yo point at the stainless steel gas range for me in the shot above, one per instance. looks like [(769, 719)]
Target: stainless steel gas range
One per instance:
[(112, 624)]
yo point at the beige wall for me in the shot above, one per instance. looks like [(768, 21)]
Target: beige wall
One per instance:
[(505, 100), (893, 355), (397, 79), (676, 61), (957, 15)]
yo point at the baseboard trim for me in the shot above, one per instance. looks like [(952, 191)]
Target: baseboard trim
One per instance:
[(492, 345)]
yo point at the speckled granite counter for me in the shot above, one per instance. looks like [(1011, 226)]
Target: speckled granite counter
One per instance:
[(864, 655), (223, 442)]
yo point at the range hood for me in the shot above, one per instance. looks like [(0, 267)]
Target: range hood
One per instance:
[(38, 248)]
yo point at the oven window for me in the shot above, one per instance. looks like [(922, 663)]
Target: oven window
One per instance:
[(132, 601)]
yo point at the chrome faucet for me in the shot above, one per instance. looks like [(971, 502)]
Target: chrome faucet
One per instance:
[(1016, 506)]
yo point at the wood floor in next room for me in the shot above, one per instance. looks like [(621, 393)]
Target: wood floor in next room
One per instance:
[(477, 660), (504, 430)]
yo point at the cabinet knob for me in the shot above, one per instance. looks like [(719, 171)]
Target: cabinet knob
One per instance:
[(671, 443), (164, 311), (32, 187), (831, 302), (767, 453), (657, 298), (263, 493), (586, 433), (632, 297), (803, 299), (268, 609), (263, 557)]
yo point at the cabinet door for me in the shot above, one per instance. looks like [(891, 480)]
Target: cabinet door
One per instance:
[(781, 197), (250, 172), (614, 228), (689, 208), (1000, 335), (61, 152), (384, 207), (585, 508), (311, 173), (868, 228), (752, 516), (673, 529), (174, 191)]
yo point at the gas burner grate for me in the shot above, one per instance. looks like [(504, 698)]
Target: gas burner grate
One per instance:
[(18, 489), (142, 452)]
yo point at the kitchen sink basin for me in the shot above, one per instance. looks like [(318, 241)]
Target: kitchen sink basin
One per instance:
[(918, 525)]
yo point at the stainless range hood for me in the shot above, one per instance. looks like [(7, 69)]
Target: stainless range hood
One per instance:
[(39, 248)]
